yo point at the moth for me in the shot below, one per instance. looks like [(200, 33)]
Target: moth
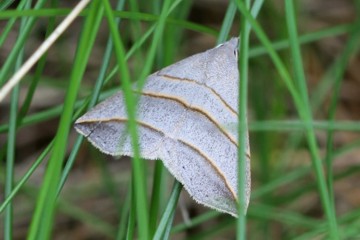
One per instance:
[(182, 114)]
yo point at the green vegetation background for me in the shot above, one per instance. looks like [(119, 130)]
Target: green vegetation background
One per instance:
[(299, 88)]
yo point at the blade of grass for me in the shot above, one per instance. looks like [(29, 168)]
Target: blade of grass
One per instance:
[(276, 59), (93, 100), (212, 233), (130, 106), (166, 52), (138, 168), (132, 214), (303, 112), (301, 81), (121, 233), (169, 226), (157, 193), (18, 45), (286, 217), (227, 22), (41, 224), (89, 219), (6, 30), (39, 70), (296, 125), (196, 221), (242, 122), (350, 48), (76, 213), (10, 158), (168, 48), (11, 143), (303, 39), (5, 4), (166, 219), (242, 126), (135, 33), (280, 181), (26, 177), (121, 14), (39, 52), (166, 10)]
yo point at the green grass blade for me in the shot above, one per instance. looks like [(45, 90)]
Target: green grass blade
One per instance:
[(167, 8), (10, 24), (5, 4), (169, 211), (303, 39), (227, 22), (10, 158), (138, 166), (344, 59), (167, 48), (301, 82), (242, 126), (196, 221), (157, 193), (132, 214), (93, 100), (18, 44), (121, 234), (130, 105), (26, 177), (169, 226), (41, 224), (38, 72)]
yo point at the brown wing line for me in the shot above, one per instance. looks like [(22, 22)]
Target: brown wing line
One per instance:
[(194, 82), (211, 162), (186, 105), (217, 170)]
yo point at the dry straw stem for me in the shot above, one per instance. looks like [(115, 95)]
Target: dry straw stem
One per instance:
[(15, 79)]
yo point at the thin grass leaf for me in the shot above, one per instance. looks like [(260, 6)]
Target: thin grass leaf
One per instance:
[(5, 32), (303, 39), (138, 168), (242, 125), (124, 216), (157, 194), (214, 232), (227, 23), (166, 53), (38, 72), (93, 100), (301, 81), (350, 48), (10, 156), (41, 224), (166, 219), (26, 177), (5, 4), (5, 70), (195, 221), (130, 231)]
